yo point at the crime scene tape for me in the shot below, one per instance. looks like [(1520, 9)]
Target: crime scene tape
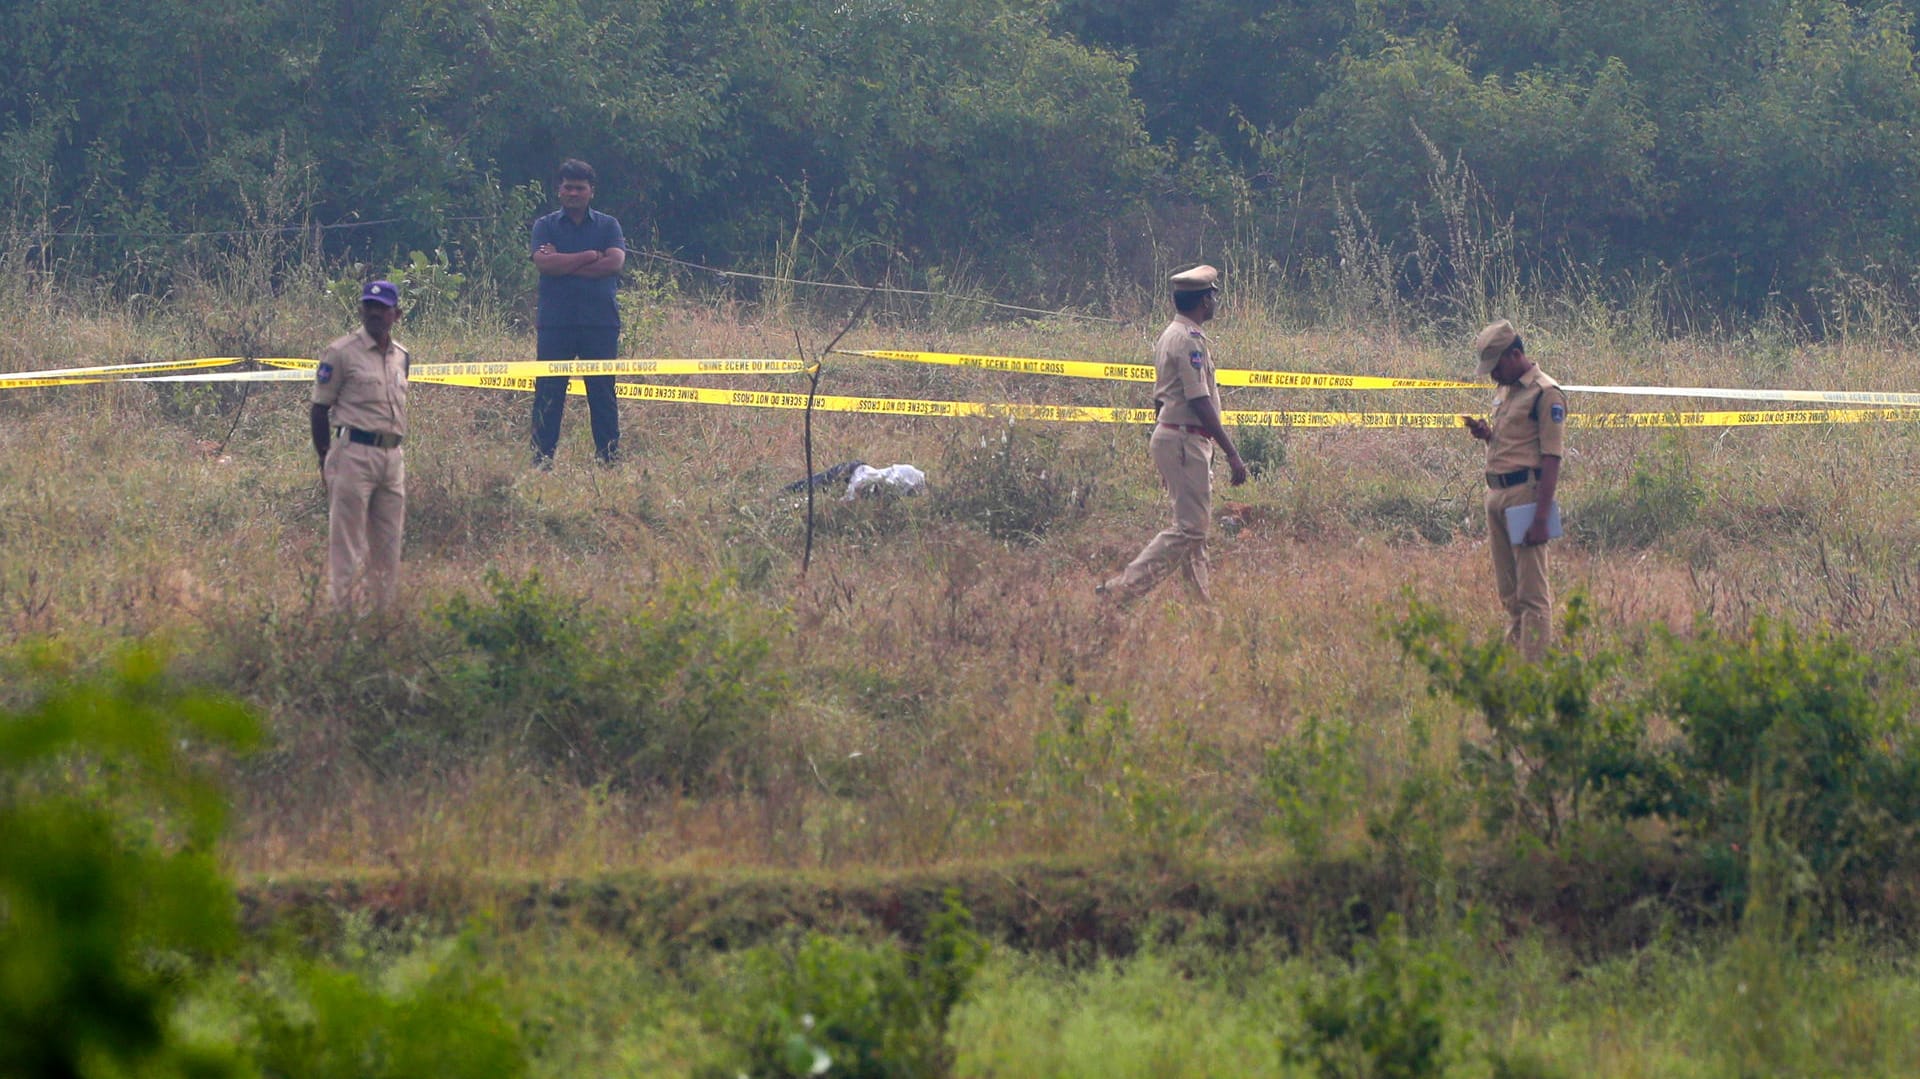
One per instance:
[(1136, 372), (886, 406), (519, 375), (1230, 376), (76, 376), (292, 370), (285, 375), (576, 368), (1822, 397)]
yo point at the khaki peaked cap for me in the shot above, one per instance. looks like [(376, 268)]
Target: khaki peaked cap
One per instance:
[(1493, 343), (1199, 279)]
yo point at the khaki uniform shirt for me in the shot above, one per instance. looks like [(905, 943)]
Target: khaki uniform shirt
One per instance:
[(365, 388), (1529, 422), (1183, 359)]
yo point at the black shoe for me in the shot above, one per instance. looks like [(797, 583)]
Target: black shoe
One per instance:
[(542, 462)]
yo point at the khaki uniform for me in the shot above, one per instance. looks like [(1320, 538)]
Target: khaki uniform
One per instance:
[(366, 391), (1183, 454), (1528, 423)]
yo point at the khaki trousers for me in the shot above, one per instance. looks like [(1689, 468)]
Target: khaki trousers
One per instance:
[(1183, 460), (366, 514), (1521, 574)]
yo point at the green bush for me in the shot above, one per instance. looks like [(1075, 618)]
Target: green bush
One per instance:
[(834, 1008), (429, 287), (1558, 750), (107, 866), (1661, 497), (1385, 1017), (1404, 518), (314, 1020), (1014, 483), (115, 916), (666, 694), (1090, 768), (1798, 736), (1799, 743), (1312, 780), (1264, 449)]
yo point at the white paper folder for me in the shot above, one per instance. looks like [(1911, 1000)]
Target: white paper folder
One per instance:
[(1520, 518)]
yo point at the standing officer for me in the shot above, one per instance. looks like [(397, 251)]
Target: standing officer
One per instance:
[(1526, 437), (1183, 441), (360, 398), (579, 252)]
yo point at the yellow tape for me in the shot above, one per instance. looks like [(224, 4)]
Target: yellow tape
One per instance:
[(1730, 418), (520, 374), (1819, 397), (1297, 380), (1134, 372), (79, 376), (879, 406), (1300, 380), (1069, 368), (577, 368), (887, 406)]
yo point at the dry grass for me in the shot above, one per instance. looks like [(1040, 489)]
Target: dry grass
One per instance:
[(930, 663)]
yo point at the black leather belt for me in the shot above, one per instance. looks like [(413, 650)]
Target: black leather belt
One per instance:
[(1512, 479), (368, 438)]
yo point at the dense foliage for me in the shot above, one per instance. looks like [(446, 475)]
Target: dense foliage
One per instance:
[(1731, 150)]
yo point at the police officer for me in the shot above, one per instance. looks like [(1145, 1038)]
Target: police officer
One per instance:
[(1183, 442), (1525, 437), (358, 420)]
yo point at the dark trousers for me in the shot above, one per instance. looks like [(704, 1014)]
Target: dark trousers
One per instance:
[(550, 393)]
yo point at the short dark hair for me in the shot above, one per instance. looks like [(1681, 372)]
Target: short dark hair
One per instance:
[(1517, 346), (575, 169), (1185, 302)]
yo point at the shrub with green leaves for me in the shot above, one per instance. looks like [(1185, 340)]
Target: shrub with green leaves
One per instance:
[(666, 694), (107, 826), (1013, 482), (1799, 734), (1312, 780), (1663, 495), (1559, 748), (1092, 765), (1794, 741), (316, 1020), (830, 1007), (1385, 1017), (115, 914)]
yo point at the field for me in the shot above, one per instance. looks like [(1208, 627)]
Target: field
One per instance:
[(614, 755)]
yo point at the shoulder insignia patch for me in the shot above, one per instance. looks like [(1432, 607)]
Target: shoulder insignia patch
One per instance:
[(1558, 412), (323, 373), (1196, 358)]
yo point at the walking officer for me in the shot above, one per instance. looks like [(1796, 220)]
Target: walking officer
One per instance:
[(1525, 437), (358, 420), (1183, 441)]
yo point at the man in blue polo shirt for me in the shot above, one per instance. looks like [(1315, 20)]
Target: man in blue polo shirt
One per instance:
[(579, 252)]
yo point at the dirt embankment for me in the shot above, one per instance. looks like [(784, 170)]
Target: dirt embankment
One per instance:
[(1108, 907)]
